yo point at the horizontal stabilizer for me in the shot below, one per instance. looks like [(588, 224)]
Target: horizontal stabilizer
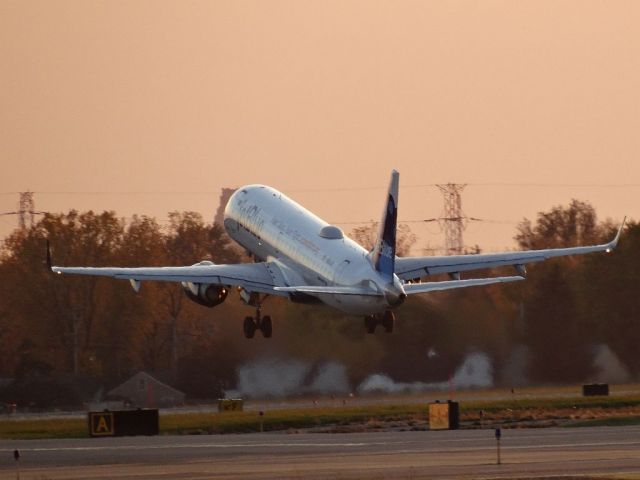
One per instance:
[(447, 285), (317, 290)]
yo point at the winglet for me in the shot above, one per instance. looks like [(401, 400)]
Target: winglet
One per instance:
[(614, 243), (383, 254), (49, 261)]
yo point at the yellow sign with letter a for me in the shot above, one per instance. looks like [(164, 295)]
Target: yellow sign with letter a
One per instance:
[(101, 424)]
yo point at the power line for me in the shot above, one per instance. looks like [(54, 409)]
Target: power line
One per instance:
[(558, 185), (431, 220), (337, 189)]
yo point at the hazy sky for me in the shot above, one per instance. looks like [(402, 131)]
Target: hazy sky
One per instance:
[(151, 106)]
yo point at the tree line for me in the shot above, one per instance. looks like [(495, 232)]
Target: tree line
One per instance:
[(70, 328)]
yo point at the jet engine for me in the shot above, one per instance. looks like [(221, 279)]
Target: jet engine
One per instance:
[(204, 294)]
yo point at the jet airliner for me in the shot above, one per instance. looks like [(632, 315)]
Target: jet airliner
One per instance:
[(305, 259)]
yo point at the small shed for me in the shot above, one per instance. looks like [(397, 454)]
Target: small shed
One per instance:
[(144, 391)]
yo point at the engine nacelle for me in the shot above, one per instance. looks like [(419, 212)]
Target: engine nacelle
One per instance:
[(206, 295)]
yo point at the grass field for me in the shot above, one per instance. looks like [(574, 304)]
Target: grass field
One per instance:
[(51, 428), (543, 407)]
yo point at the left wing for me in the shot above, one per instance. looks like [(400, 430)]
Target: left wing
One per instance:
[(257, 277), (407, 268)]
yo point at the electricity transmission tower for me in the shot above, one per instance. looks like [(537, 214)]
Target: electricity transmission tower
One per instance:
[(26, 211), (452, 219)]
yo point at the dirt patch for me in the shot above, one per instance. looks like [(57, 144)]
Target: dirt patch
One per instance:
[(543, 417), (526, 418)]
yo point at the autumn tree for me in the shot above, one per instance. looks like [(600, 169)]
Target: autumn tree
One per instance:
[(554, 328), (609, 296), (188, 241), (95, 325), (60, 315), (560, 227), (52, 325)]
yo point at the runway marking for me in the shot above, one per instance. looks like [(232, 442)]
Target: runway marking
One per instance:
[(211, 445), (325, 445)]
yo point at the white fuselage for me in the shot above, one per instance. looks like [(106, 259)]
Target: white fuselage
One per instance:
[(276, 229)]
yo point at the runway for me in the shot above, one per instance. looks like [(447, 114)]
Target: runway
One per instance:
[(379, 455)]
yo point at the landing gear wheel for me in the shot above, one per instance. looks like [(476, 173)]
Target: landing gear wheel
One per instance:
[(370, 324), (266, 326), (249, 327), (388, 320)]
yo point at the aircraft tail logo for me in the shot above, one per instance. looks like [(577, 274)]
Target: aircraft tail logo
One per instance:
[(384, 251)]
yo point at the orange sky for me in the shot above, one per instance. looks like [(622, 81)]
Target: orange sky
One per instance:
[(163, 103)]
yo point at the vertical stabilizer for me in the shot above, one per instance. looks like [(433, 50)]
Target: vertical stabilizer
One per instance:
[(384, 250)]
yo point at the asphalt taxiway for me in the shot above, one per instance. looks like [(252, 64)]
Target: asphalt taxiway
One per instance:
[(378, 455)]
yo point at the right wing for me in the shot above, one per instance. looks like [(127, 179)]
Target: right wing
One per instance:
[(408, 268)]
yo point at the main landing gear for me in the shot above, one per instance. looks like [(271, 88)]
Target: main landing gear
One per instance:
[(263, 324), (386, 319), (251, 324)]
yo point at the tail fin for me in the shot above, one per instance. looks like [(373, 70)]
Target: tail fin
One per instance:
[(383, 255)]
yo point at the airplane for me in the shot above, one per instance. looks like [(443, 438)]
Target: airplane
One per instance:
[(305, 259)]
